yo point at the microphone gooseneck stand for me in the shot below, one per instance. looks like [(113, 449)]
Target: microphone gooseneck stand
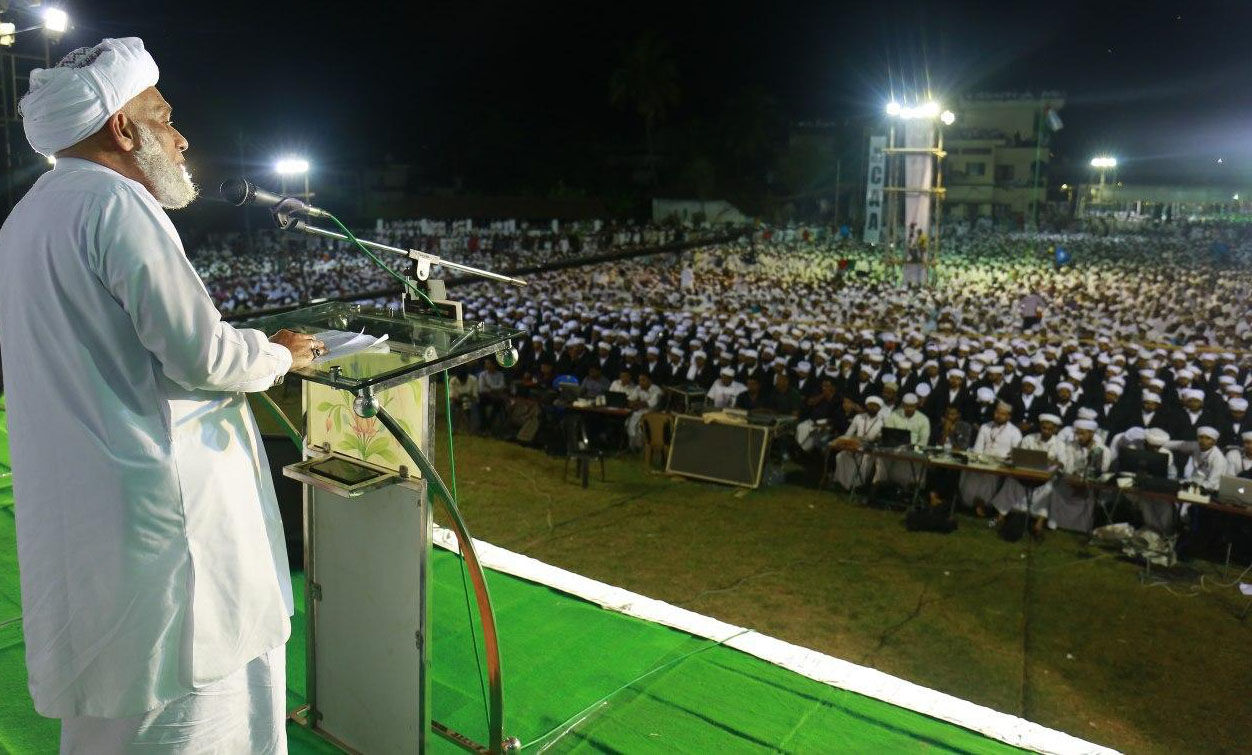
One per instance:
[(366, 405)]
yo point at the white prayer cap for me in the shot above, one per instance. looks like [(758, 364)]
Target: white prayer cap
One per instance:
[(1156, 436), (954, 372), (728, 372), (804, 367), (71, 101), (654, 350), (604, 345), (986, 395), (676, 351), (1247, 435), (699, 355), (1239, 404), (873, 400), (1086, 412), (923, 390), (1208, 432), (1113, 388), (1065, 385), (910, 399), (1150, 396), (1134, 434), (1193, 393), (1086, 424), (1046, 417)]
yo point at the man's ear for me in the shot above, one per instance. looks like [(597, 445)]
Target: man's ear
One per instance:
[(122, 132)]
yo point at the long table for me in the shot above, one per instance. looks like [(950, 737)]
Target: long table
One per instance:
[(927, 459)]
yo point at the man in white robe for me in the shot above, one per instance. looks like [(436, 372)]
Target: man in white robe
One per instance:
[(154, 577), (1013, 495), (853, 468), (994, 441), (725, 389), (1206, 464), (1071, 505), (898, 471)]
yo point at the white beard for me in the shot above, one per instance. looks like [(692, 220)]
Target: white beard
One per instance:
[(171, 184)]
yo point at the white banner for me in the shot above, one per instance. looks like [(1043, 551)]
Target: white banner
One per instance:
[(874, 180)]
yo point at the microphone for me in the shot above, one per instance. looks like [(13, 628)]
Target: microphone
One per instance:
[(240, 191)]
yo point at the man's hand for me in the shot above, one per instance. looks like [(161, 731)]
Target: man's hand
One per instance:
[(304, 348)]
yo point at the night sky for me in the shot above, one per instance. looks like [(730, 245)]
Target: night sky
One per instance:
[(500, 92)]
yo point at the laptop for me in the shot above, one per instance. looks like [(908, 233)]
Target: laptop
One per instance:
[(570, 391), (1029, 458), (895, 437), (1235, 490), (615, 399), (1145, 462)]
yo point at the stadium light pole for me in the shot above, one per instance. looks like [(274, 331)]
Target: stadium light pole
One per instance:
[(293, 166), (1103, 163), (296, 166), (928, 111)]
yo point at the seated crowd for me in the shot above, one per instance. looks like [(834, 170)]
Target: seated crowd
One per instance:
[(1135, 346), (270, 269)]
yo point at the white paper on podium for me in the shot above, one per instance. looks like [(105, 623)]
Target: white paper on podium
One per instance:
[(341, 343)]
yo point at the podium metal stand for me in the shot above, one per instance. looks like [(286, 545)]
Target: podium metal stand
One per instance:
[(367, 426)]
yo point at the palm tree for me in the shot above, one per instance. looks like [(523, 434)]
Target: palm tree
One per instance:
[(646, 80)]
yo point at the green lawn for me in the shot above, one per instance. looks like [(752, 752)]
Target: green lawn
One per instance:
[(1060, 633)]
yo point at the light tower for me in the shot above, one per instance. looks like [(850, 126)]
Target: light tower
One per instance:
[(291, 167), (21, 53), (914, 186)]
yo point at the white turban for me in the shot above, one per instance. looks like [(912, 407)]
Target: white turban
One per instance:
[(70, 102)]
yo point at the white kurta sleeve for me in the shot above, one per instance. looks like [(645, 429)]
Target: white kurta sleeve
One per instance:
[(140, 261)]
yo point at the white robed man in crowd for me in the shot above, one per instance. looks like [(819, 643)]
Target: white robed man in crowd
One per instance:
[(994, 441), (853, 468), (1013, 495), (1071, 504), (155, 590), (1207, 463), (899, 471), (725, 389)]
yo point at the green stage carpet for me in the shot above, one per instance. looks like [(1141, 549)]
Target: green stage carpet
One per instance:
[(565, 659)]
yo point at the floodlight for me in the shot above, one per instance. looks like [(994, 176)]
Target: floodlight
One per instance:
[(929, 110), (1235, 197), (52, 160), (893, 108), (291, 166), (55, 20), (1104, 162), (947, 117), (8, 33)]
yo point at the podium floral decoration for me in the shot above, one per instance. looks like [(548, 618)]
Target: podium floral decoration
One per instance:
[(365, 438)]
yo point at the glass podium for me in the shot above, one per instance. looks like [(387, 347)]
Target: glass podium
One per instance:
[(366, 431), (419, 345)]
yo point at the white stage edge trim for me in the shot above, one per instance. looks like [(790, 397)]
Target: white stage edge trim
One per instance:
[(809, 663)]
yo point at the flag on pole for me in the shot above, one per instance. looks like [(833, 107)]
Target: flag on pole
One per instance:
[(1053, 119)]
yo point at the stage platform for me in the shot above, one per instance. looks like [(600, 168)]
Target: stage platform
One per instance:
[(580, 677)]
